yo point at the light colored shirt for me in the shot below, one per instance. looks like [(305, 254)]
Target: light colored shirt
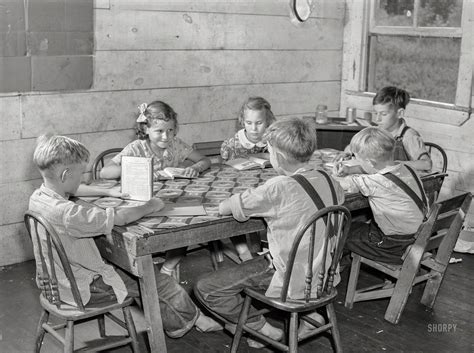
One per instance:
[(286, 206), (239, 146), (76, 226), (412, 142), (173, 156), (394, 211)]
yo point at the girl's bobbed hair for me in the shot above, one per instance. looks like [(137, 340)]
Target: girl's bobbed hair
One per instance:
[(257, 104), (394, 96), (150, 113)]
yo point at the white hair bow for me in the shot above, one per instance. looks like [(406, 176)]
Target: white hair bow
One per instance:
[(142, 109)]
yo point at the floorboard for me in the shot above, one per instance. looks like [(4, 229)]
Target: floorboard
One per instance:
[(363, 329)]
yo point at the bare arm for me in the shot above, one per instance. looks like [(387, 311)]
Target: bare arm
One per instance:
[(111, 170), (126, 215), (201, 163), (91, 190), (422, 164)]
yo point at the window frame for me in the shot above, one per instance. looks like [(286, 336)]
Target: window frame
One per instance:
[(355, 59)]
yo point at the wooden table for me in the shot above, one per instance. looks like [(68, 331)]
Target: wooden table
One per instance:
[(131, 248)]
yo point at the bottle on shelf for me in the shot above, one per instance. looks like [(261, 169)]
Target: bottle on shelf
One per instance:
[(322, 114)]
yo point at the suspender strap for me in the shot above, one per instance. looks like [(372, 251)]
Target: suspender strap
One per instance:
[(331, 186), (400, 137), (422, 204)]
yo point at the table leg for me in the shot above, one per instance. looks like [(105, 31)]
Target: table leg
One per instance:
[(151, 306)]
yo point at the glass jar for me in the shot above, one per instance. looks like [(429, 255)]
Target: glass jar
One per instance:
[(322, 114)]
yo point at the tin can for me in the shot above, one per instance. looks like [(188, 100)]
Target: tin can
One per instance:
[(351, 115)]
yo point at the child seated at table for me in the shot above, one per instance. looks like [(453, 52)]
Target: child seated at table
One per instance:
[(395, 194), (285, 206), (61, 162), (389, 108), (157, 126), (254, 117)]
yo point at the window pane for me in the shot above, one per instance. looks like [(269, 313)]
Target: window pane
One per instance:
[(394, 13), (440, 13), (426, 67)]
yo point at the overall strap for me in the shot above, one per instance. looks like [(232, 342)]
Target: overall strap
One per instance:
[(422, 204), (331, 186), (400, 137)]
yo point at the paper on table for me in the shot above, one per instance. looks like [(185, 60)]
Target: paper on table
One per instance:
[(180, 209)]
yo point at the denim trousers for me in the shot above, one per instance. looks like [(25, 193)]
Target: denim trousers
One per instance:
[(178, 311), (221, 291)]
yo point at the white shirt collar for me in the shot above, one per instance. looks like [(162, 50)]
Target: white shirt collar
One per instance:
[(245, 141)]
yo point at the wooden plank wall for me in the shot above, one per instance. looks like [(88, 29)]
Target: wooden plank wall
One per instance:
[(202, 57)]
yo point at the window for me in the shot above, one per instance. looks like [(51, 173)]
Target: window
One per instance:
[(422, 46)]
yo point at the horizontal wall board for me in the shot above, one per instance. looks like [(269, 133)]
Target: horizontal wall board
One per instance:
[(164, 69), (323, 8), (10, 118), (117, 110), (16, 160), (134, 30), (16, 244), (14, 199)]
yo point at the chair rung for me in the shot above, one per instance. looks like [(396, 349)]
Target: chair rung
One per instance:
[(316, 331), (382, 293), (264, 338), (116, 320), (53, 333)]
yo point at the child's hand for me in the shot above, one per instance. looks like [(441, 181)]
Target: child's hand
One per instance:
[(116, 192), (155, 204), (190, 172), (340, 169), (343, 156)]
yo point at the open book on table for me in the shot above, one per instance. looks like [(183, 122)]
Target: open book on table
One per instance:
[(137, 177), (251, 162), (171, 173)]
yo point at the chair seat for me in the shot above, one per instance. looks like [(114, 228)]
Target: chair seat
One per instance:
[(70, 312), (292, 305)]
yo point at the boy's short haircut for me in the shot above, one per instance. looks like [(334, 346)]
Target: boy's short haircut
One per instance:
[(294, 137), (52, 150), (257, 104), (396, 97), (373, 143)]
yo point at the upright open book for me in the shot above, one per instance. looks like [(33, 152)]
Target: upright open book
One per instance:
[(137, 177), (252, 162)]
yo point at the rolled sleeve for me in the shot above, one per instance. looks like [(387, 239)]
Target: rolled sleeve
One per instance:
[(235, 205)]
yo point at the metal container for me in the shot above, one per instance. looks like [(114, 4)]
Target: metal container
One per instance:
[(351, 114)]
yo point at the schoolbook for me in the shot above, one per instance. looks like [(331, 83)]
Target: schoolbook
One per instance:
[(171, 173), (137, 177), (248, 163)]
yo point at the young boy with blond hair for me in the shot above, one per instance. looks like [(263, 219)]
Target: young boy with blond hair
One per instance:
[(395, 194), (285, 206), (61, 162)]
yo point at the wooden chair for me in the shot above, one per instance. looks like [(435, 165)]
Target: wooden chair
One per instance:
[(50, 252), (100, 161), (336, 229), (425, 260), (438, 156), (211, 149)]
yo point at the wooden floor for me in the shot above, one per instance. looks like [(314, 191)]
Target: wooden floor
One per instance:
[(447, 328)]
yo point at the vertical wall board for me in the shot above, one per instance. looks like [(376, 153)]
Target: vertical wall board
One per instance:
[(211, 131), (165, 69), (46, 16), (12, 16), (16, 196), (132, 30), (55, 73), (12, 43), (79, 16), (15, 74), (16, 161), (16, 244), (47, 43), (10, 119)]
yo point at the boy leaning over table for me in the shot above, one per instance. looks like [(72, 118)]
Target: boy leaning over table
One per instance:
[(285, 206), (61, 162)]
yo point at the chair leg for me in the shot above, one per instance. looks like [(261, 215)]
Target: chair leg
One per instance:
[(240, 325), (431, 290), (69, 337), (352, 285), (335, 328), (127, 314), (293, 334), (40, 331), (216, 254), (101, 323)]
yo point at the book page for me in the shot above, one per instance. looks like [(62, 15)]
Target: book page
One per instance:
[(243, 164), (180, 209), (137, 177)]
